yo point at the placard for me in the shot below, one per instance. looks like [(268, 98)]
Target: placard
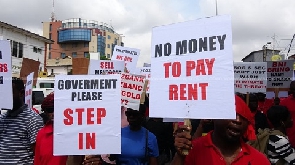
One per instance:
[(128, 55), (5, 75), (192, 72), (87, 114), (29, 88), (279, 73), (146, 71), (250, 77), (132, 88), (101, 67)]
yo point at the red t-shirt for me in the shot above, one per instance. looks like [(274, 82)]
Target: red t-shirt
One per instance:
[(44, 148), (290, 104), (263, 106), (205, 152)]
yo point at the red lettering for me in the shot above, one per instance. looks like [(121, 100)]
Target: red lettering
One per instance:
[(166, 69), (90, 115), (204, 90), (89, 141), (80, 115), (182, 91), (119, 57), (200, 67), (190, 65), (192, 92), (173, 92), (3, 67), (209, 64), (68, 118), (274, 64), (124, 102), (176, 69), (101, 112)]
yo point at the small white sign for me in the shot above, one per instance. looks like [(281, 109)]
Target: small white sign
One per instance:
[(29, 88), (101, 67), (279, 73)]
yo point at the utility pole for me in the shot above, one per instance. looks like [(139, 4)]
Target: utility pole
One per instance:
[(216, 10)]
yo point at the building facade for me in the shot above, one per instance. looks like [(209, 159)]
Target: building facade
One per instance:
[(24, 44), (59, 66), (78, 37), (258, 56)]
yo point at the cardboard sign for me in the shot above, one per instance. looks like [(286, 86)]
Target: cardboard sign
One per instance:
[(102, 67), (87, 114), (146, 71), (192, 72), (128, 55), (5, 75), (250, 77), (80, 66), (132, 87), (29, 88), (279, 73), (29, 66)]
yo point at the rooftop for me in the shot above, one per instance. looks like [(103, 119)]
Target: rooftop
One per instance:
[(258, 51), (25, 32)]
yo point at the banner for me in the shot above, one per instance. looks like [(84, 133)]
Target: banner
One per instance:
[(132, 88), (128, 55), (29, 66), (192, 72), (29, 88), (102, 67), (5, 75), (250, 77), (279, 73), (87, 114)]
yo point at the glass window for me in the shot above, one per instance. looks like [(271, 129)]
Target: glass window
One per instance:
[(109, 37), (49, 55), (86, 44), (108, 56), (39, 50), (86, 54), (50, 27), (50, 36), (14, 49), (108, 45), (20, 50), (74, 45), (49, 46), (46, 85), (35, 50), (62, 55), (74, 54)]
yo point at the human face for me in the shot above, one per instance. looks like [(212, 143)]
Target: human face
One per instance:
[(231, 130), (17, 97), (135, 118)]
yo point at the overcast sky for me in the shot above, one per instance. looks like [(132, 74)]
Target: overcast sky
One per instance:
[(254, 22)]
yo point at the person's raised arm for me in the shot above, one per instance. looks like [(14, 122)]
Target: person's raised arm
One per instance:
[(182, 142)]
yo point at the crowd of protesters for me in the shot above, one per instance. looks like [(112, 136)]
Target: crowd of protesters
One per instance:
[(27, 137)]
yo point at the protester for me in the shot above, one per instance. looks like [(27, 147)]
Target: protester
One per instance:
[(263, 103), (138, 146), (260, 118), (44, 141), (224, 145), (277, 101), (290, 104), (162, 133), (279, 147), (19, 128)]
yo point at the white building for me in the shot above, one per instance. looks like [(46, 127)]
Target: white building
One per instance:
[(59, 66), (24, 44)]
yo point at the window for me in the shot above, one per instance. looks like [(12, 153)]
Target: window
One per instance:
[(50, 36), (14, 48), (35, 50), (109, 37), (46, 85), (108, 56), (86, 54), (39, 50), (63, 55), (108, 45), (20, 50), (50, 27), (74, 54), (49, 46), (49, 55), (86, 44), (63, 45)]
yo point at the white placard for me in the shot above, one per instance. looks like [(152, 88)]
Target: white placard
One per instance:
[(132, 88), (101, 67), (192, 71), (250, 77), (5, 75), (87, 116), (128, 55), (172, 120), (145, 71), (29, 88), (279, 73)]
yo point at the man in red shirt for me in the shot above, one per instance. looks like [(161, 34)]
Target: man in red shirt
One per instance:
[(263, 103), (222, 146), (290, 104)]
